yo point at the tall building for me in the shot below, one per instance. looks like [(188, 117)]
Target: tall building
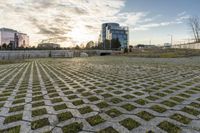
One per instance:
[(17, 39), (113, 31)]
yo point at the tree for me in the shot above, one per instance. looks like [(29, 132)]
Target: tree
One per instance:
[(4, 46), (115, 43), (194, 24), (90, 45)]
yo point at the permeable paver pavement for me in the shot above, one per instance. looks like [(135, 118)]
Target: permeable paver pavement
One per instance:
[(106, 95)]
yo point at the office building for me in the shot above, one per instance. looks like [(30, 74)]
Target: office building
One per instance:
[(113, 31)]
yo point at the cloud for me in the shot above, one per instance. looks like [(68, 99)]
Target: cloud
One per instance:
[(71, 21)]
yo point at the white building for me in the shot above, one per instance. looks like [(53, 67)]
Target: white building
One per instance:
[(23, 40), (8, 36)]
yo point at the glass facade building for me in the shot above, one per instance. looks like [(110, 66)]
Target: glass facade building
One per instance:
[(112, 31)]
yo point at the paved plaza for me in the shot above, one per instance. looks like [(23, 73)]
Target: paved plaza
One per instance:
[(101, 94)]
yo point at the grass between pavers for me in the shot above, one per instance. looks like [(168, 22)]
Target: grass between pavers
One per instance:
[(16, 108), (64, 116), (13, 118), (60, 107), (128, 96), (169, 127), (128, 107), (108, 130), (93, 99), (102, 105), (39, 123), (116, 100), (191, 111), (15, 129), (158, 108), (1, 105), (177, 99), (113, 113), (184, 95), (107, 95), (169, 103), (181, 118), (72, 97), (85, 110), (95, 120), (145, 115), (38, 104), (129, 123), (73, 128), (19, 101), (194, 104), (152, 98), (78, 102), (39, 112), (20, 96), (56, 100), (37, 98), (141, 101)]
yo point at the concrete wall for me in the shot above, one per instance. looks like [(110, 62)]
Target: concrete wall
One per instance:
[(26, 54), (188, 46)]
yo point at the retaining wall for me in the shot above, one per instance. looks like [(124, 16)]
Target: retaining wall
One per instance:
[(25, 54)]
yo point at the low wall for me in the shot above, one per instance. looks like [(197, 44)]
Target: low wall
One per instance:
[(26, 54), (187, 46)]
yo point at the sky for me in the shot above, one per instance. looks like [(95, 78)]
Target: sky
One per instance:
[(75, 22)]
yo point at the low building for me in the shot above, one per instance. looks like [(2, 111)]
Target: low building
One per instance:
[(48, 46), (10, 36), (144, 46), (167, 45)]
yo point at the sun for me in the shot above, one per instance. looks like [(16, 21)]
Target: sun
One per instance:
[(80, 34)]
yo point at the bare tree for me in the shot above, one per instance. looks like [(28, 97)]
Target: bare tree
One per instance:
[(194, 23)]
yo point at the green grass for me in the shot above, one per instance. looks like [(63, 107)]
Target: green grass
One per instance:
[(85, 110), (113, 113), (38, 104), (116, 100), (145, 115), (60, 107), (39, 123), (194, 104), (169, 127), (95, 120), (108, 130), (93, 99), (72, 128), (129, 123), (56, 100), (177, 99), (190, 111), (169, 103), (13, 118), (37, 98), (106, 95), (15, 129), (78, 102), (181, 118), (128, 107), (72, 97), (141, 101), (64, 116), (152, 98), (128, 96), (19, 101), (102, 105), (158, 108), (39, 112), (16, 108)]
